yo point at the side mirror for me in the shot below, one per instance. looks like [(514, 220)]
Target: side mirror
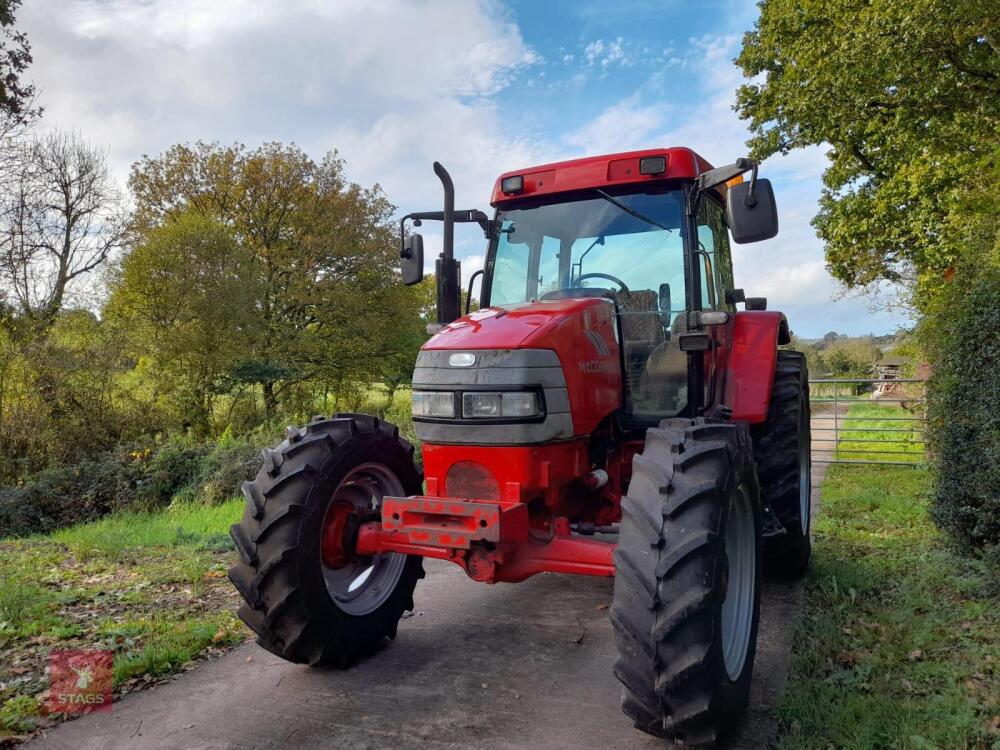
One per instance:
[(753, 216), (412, 259), (664, 298)]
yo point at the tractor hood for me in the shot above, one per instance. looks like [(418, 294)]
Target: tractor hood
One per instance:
[(570, 345), (528, 325)]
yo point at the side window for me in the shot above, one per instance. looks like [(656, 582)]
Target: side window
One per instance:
[(509, 270), (716, 266), (706, 264), (548, 266)]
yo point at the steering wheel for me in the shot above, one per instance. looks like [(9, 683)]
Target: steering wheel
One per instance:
[(607, 276)]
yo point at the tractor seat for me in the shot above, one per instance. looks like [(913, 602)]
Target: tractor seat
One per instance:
[(640, 315), (642, 331), (663, 382)]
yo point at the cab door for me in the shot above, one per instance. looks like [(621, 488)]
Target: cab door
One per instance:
[(715, 266)]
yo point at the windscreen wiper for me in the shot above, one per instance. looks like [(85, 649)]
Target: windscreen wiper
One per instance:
[(631, 211)]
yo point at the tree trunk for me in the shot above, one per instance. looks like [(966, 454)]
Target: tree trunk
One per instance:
[(270, 400)]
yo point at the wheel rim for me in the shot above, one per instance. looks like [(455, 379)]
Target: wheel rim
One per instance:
[(359, 585), (737, 607), (805, 469)]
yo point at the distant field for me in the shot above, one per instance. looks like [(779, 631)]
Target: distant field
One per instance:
[(881, 432)]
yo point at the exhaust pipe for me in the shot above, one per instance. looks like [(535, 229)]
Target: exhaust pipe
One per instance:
[(446, 268)]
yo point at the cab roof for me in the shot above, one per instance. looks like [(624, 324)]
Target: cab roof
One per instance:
[(600, 171)]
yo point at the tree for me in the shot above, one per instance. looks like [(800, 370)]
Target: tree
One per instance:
[(16, 97), (907, 97), (329, 302), (850, 358), (61, 217), (185, 298), (906, 94)]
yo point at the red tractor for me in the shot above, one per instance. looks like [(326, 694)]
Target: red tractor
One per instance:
[(605, 412)]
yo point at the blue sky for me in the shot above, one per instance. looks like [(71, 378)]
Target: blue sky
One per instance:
[(395, 84)]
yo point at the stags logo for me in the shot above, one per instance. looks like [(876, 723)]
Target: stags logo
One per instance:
[(81, 681)]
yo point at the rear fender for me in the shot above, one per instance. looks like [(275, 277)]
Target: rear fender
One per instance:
[(750, 368)]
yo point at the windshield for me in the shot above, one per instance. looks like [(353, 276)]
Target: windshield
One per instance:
[(631, 241)]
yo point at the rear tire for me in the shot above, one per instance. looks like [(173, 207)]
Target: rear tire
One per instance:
[(687, 581), (782, 451), (288, 588)]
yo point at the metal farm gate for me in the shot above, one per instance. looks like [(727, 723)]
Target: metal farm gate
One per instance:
[(868, 421)]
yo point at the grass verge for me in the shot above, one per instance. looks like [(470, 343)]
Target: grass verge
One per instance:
[(898, 647), (150, 587)]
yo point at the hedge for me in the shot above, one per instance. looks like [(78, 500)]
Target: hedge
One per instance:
[(961, 335), (133, 478)]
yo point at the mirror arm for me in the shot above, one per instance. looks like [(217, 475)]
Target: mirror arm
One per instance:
[(461, 217), (468, 295), (719, 175), (751, 199), (714, 177)]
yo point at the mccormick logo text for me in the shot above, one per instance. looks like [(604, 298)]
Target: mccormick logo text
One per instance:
[(595, 367), (81, 681)]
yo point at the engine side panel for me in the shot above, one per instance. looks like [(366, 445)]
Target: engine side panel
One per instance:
[(750, 370)]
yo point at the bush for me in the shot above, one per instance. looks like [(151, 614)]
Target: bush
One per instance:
[(229, 463), (960, 336), (66, 494), (136, 478), (150, 476)]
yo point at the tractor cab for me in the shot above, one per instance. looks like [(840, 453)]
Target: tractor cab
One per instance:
[(626, 246), (648, 233)]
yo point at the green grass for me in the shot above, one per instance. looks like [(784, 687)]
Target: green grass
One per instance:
[(187, 524), (150, 586), (902, 440), (898, 647)]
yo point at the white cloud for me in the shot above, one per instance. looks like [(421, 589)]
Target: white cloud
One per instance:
[(393, 85), (621, 126), (141, 75)]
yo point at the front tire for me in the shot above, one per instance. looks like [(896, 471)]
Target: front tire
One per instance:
[(309, 601), (687, 581)]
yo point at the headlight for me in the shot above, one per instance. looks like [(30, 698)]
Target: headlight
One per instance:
[(497, 405), (434, 404)]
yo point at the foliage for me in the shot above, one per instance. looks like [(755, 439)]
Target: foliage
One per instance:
[(173, 469), (185, 300), (327, 306), (258, 287), (59, 399), (16, 96), (839, 356), (898, 645), (906, 95), (961, 336), (850, 358)]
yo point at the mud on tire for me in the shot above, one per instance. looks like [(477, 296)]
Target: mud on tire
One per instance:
[(782, 452), (672, 577), (280, 575)]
